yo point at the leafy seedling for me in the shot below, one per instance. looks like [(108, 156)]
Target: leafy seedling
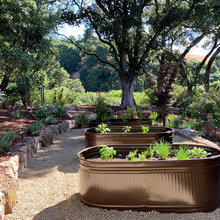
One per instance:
[(145, 129), (126, 129), (106, 153), (102, 128)]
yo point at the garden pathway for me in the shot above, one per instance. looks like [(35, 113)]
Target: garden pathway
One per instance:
[(48, 189)]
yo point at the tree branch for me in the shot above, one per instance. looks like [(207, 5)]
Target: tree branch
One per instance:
[(88, 53)]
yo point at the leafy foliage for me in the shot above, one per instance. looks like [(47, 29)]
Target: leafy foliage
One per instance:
[(6, 139), (153, 117), (145, 129), (16, 114), (126, 129), (182, 153), (162, 149), (81, 121), (173, 121), (102, 128), (34, 129), (198, 153), (42, 113), (106, 152), (50, 120), (102, 110)]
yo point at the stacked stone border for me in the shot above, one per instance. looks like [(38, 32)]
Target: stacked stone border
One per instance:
[(12, 168)]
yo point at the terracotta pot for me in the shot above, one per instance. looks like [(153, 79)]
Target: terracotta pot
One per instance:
[(165, 186), (116, 136), (119, 122)]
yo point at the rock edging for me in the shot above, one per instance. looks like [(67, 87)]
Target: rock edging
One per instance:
[(189, 133), (11, 169)]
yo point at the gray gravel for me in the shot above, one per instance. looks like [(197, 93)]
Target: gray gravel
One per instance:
[(48, 189)]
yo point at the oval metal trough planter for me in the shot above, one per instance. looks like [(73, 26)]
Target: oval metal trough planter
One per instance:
[(120, 122), (162, 185), (116, 136)]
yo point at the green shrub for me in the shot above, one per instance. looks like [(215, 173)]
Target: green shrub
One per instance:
[(102, 110), (60, 110), (16, 114), (50, 120), (81, 121), (34, 129), (191, 124), (42, 113), (206, 106), (6, 139), (173, 122), (153, 117)]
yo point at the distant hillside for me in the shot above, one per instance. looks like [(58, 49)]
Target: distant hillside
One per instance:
[(195, 57)]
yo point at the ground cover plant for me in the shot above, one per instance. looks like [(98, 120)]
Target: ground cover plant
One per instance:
[(6, 139)]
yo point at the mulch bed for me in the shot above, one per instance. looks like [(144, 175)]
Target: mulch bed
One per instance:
[(10, 124)]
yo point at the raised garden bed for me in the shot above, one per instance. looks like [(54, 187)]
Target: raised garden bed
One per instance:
[(116, 136), (161, 185), (120, 122)]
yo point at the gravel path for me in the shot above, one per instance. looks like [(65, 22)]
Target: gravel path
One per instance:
[(48, 189)]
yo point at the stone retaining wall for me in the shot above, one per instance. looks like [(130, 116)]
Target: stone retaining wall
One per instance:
[(11, 169)]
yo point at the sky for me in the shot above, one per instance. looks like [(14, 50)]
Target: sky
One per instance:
[(68, 30)]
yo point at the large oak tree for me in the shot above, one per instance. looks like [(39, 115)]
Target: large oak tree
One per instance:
[(131, 29)]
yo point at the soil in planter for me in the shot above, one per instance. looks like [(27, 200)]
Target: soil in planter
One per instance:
[(121, 157)]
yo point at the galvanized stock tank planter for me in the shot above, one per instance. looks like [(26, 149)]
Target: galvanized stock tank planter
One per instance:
[(120, 122), (116, 136), (161, 185)]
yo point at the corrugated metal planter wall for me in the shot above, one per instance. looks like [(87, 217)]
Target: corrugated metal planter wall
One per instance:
[(166, 186), (116, 136)]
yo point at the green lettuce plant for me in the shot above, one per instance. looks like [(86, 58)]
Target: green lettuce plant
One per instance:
[(106, 153)]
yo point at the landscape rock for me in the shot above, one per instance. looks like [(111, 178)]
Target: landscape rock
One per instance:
[(8, 187), (10, 167), (71, 124), (46, 137), (2, 206)]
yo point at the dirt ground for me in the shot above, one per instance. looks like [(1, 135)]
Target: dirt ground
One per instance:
[(48, 189)]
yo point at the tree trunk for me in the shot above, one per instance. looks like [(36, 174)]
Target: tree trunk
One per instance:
[(189, 90), (5, 82), (127, 93), (208, 69)]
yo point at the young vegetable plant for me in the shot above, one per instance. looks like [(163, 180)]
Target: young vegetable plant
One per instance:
[(182, 153), (162, 149), (106, 153), (102, 128), (131, 155), (151, 151), (126, 129), (145, 129), (198, 153), (142, 156)]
